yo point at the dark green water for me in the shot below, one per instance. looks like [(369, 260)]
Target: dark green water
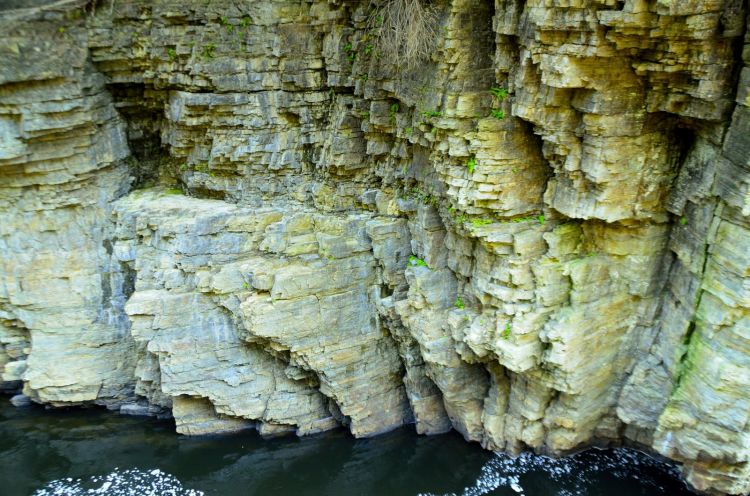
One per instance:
[(78, 452)]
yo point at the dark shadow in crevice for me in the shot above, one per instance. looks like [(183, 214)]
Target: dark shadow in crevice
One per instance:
[(142, 108)]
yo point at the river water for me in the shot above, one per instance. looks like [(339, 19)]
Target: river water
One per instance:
[(76, 452)]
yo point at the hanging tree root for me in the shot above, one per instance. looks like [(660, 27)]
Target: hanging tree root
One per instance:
[(406, 31)]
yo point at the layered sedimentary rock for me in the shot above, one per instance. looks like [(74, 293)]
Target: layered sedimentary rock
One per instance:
[(244, 215)]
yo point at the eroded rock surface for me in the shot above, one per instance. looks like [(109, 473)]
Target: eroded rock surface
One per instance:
[(244, 215)]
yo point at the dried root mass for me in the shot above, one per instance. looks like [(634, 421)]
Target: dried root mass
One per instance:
[(406, 31)]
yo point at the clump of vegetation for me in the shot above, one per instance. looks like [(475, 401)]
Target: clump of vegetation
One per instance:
[(481, 222), (431, 113), (506, 331), (471, 164), (422, 196), (458, 218), (497, 114), (172, 53), (350, 53), (227, 25), (208, 51), (499, 93), (417, 262), (459, 303), (683, 221), (174, 191), (406, 30), (392, 112)]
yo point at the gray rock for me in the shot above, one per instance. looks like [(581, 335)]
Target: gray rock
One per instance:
[(239, 213), (20, 400)]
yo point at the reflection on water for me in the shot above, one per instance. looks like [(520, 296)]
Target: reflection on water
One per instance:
[(94, 452)]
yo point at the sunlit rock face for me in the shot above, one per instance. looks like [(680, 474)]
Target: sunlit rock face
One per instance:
[(245, 215)]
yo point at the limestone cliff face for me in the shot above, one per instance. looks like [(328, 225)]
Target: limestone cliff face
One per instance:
[(246, 215)]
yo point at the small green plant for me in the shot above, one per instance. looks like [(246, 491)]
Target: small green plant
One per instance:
[(683, 221), (245, 285), (458, 219), (481, 222), (350, 53), (422, 196), (540, 218), (368, 48), (208, 51), (245, 21), (471, 164), (431, 113), (499, 93), (392, 111), (202, 167), (174, 191), (497, 114), (459, 303), (417, 262), (172, 53), (365, 115), (409, 131), (506, 331), (74, 14), (61, 30)]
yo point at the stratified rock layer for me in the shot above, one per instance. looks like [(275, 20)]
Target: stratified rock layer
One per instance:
[(244, 215)]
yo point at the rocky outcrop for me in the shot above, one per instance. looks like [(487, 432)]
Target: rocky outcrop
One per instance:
[(245, 215)]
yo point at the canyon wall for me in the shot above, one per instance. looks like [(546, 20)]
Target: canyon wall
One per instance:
[(250, 214)]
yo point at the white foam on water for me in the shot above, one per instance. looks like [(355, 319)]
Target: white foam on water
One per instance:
[(504, 470), (133, 482)]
